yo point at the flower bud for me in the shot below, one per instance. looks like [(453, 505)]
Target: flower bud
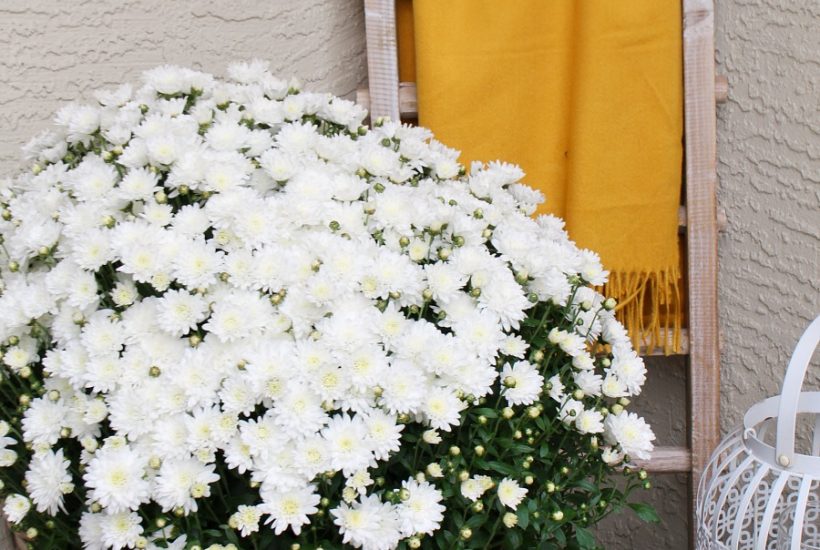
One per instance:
[(413, 542), (466, 533), (14, 267), (455, 451), (404, 494), (617, 408), (610, 304), (507, 412), (558, 515), (31, 533), (538, 356), (434, 470), (509, 382), (431, 437), (463, 475), (517, 434), (477, 507), (578, 394), (550, 487), (510, 520), (479, 450)]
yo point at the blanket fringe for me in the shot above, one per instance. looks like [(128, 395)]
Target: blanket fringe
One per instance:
[(649, 306)]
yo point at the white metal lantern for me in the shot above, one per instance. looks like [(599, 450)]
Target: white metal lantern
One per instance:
[(757, 492)]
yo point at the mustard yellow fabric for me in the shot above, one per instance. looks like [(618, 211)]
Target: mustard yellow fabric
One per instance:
[(586, 95)]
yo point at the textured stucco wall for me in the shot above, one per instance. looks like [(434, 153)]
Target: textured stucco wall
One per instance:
[(769, 173), (54, 51)]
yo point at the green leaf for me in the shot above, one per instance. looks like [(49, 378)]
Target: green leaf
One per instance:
[(585, 539), (513, 540), (476, 521), (586, 485), (523, 517), (489, 413), (501, 468), (645, 512)]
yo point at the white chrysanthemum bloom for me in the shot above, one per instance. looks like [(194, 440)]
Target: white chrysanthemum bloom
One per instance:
[(422, 511), (16, 507), (124, 293), (180, 311), (510, 494), (523, 383), (556, 389), (442, 408), (476, 486), (611, 455), (631, 433), (368, 523), (571, 343), (246, 519), (347, 442), (48, 480), (588, 382), (383, 433), (116, 477), (570, 410), (514, 346), (120, 530), (290, 510), (630, 369), (181, 481), (612, 386), (43, 421), (589, 421)]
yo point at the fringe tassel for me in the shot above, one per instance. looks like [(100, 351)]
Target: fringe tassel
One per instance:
[(649, 305)]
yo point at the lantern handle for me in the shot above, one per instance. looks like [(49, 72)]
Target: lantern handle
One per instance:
[(790, 394)]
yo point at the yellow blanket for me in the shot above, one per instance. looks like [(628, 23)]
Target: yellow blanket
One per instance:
[(586, 95)]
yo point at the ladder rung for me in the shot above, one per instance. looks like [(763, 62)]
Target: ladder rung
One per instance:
[(722, 220), (668, 459), (666, 336), (408, 100), (408, 104)]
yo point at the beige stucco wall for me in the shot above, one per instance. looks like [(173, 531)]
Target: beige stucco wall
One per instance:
[(54, 51), (769, 173), (769, 152)]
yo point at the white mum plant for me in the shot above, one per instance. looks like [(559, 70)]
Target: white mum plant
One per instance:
[(234, 317)]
